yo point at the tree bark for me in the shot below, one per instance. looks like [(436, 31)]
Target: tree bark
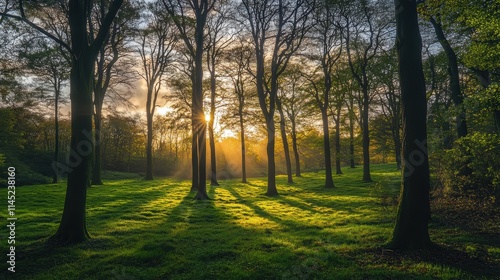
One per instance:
[(213, 159), (199, 115), (295, 148), (96, 172), (338, 169), (285, 141), (56, 136), (366, 137), (456, 93), (243, 148), (411, 229), (351, 133), (271, 165), (149, 144), (73, 228), (326, 148)]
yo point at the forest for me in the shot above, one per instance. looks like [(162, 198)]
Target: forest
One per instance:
[(250, 139)]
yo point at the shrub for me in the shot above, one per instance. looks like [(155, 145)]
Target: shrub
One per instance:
[(471, 168)]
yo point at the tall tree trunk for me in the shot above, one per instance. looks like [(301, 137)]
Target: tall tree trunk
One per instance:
[(326, 148), (351, 135), (96, 171), (194, 147), (213, 159), (198, 114), (149, 146), (73, 228), (456, 93), (295, 148), (338, 169), (411, 229), (56, 136), (285, 141), (271, 165), (243, 148), (366, 137)]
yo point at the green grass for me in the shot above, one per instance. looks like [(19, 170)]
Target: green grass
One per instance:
[(156, 230)]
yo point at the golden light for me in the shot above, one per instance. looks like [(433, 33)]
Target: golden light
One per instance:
[(207, 117)]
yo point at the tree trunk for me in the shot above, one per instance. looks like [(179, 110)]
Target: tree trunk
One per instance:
[(149, 146), (366, 137), (194, 154), (327, 150), (285, 142), (295, 148), (96, 172), (456, 93), (338, 169), (198, 114), (243, 152), (351, 135), (73, 228), (213, 159), (56, 136), (271, 165), (411, 229)]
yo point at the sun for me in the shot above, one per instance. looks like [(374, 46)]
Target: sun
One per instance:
[(207, 117)]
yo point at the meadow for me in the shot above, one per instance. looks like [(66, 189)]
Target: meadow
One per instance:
[(156, 230)]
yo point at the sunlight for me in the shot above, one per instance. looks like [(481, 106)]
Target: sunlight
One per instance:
[(162, 111), (207, 117)]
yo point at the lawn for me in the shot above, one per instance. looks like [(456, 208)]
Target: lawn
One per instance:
[(156, 230)]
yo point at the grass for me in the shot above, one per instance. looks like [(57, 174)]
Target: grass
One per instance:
[(156, 230)]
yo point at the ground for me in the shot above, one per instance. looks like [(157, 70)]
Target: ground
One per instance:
[(156, 230)]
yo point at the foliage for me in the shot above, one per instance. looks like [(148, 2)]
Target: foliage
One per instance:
[(472, 167)]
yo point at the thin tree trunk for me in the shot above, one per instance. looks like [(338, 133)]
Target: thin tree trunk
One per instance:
[(366, 138), (213, 159), (56, 126), (411, 229), (149, 146), (327, 150), (351, 135), (96, 172), (295, 148), (338, 169), (285, 142), (456, 93), (243, 149)]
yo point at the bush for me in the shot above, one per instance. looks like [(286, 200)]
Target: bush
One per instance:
[(471, 168)]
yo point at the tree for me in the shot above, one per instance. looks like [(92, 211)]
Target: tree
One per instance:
[(83, 50), (217, 42), (296, 105), (46, 62), (239, 60), (157, 42), (363, 39), (284, 138), (385, 72), (287, 22), (327, 44), (178, 11), (411, 229), (113, 69)]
